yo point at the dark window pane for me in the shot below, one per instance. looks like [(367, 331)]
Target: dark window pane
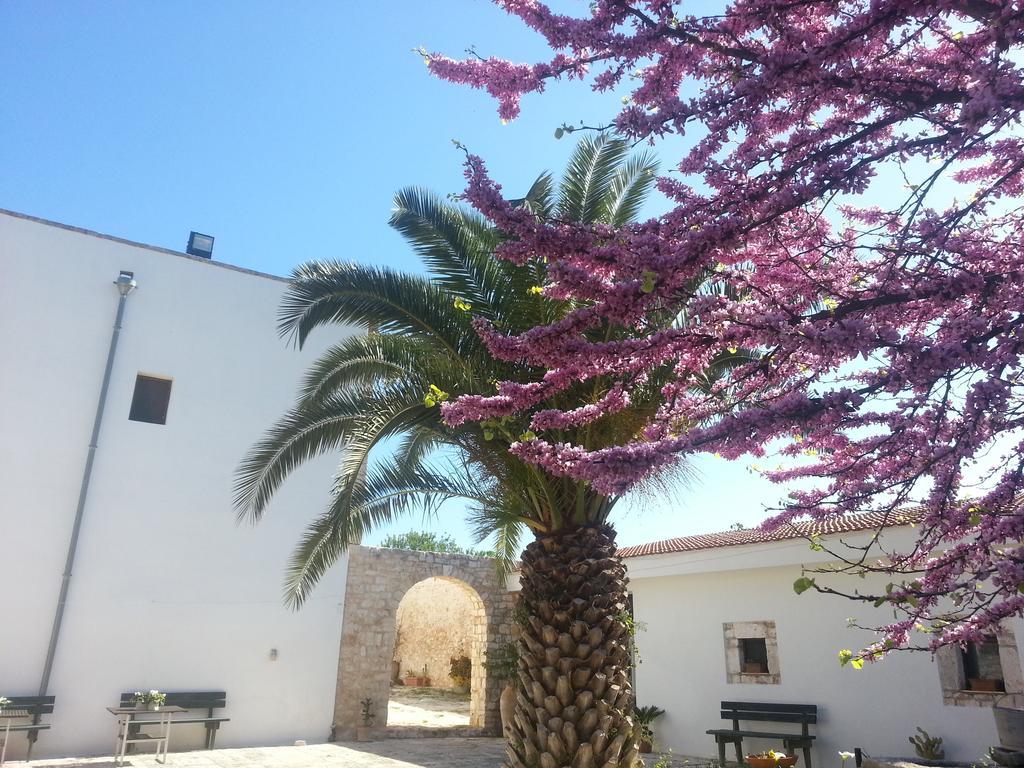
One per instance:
[(981, 661), (754, 655), (149, 403)]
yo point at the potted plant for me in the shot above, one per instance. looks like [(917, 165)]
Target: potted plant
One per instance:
[(771, 759), (368, 715), (152, 700), (927, 747), (644, 716), (414, 678), (503, 663), (1010, 727), (461, 672)]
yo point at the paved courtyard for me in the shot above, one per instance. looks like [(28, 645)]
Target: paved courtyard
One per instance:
[(427, 707), (386, 753)]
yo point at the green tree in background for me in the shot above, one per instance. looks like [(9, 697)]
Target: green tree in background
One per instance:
[(426, 541)]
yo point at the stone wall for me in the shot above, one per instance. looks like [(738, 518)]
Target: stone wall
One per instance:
[(378, 580), (435, 624)]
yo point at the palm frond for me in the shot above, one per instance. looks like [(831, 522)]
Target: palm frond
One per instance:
[(417, 445), (503, 517), (588, 178), (367, 360), (326, 292), (722, 365), (383, 494), (456, 244), (539, 199), (387, 415), (629, 188), (301, 434)]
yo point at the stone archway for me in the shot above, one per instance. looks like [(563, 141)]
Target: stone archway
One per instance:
[(377, 581)]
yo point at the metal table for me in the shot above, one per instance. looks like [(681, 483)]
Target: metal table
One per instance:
[(127, 716), (6, 715)]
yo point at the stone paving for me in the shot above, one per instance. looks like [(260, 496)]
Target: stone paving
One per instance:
[(428, 707), (388, 753)]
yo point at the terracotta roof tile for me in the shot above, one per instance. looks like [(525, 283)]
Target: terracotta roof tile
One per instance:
[(797, 530)]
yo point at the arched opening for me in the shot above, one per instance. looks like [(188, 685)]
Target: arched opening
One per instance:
[(377, 581), (439, 620)]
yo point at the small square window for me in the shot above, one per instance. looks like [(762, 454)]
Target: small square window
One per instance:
[(751, 653), (983, 673), (754, 656), (149, 403)]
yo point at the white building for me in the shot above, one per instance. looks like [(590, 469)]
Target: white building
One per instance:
[(168, 590), (707, 601)]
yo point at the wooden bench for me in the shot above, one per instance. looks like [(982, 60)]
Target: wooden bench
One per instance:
[(36, 706), (805, 714), (208, 700)]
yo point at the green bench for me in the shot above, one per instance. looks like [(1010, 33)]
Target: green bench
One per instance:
[(36, 706), (804, 714), (201, 700)]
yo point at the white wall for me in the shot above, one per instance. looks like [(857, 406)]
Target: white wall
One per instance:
[(168, 591), (684, 600)]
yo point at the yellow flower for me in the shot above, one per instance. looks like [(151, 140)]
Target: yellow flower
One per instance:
[(434, 396)]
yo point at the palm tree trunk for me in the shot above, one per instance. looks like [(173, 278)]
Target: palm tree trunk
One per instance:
[(574, 707)]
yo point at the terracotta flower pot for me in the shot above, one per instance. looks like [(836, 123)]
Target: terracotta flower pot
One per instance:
[(987, 684), (363, 733), (769, 762), (410, 681), (507, 705)]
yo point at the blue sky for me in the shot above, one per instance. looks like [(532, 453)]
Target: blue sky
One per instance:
[(284, 129)]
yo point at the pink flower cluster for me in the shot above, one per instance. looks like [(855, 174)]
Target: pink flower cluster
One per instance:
[(890, 336)]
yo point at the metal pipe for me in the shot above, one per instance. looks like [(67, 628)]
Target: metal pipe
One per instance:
[(125, 285)]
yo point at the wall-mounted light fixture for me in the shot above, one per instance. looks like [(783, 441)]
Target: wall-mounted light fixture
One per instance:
[(200, 245), (125, 282)]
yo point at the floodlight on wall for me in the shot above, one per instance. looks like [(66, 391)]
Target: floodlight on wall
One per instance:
[(200, 245)]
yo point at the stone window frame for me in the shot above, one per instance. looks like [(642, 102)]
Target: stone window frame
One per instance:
[(953, 680), (733, 632)]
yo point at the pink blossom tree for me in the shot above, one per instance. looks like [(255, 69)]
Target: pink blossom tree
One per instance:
[(851, 185)]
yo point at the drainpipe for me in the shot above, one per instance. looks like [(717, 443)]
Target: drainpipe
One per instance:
[(125, 285)]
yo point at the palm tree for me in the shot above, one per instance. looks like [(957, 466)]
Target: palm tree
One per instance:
[(382, 390)]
